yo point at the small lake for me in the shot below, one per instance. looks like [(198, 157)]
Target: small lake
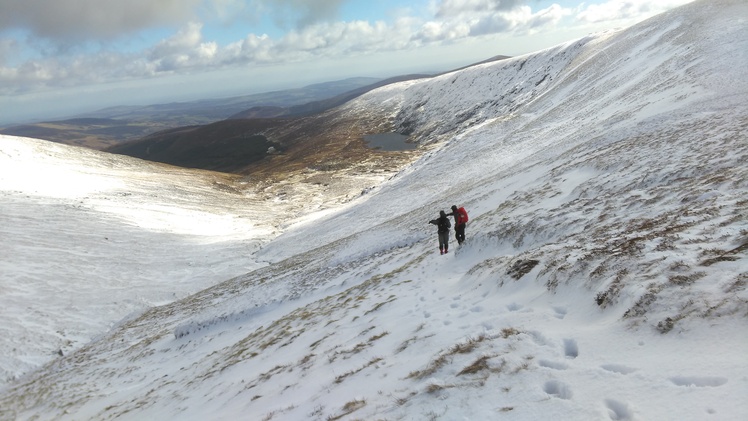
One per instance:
[(389, 142)]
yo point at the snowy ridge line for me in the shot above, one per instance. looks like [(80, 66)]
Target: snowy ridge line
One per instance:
[(493, 89)]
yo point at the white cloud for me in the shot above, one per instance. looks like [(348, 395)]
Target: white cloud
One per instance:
[(494, 20), (66, 20), (189, 52), (549, 17), (451, 8), (626, 9)]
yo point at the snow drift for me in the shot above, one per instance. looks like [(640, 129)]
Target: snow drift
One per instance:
[(603, 277)]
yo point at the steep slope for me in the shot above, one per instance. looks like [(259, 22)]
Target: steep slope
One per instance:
[(606, 183), (90, 238)]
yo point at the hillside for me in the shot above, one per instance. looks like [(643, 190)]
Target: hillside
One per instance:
[(240, 143), (94, 133), (603, 277), (112, 126)]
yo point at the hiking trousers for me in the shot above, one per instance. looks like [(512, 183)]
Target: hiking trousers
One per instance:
[(444, 241), (460, 233)]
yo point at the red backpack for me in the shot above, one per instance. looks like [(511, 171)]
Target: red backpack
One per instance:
[(463, 215)]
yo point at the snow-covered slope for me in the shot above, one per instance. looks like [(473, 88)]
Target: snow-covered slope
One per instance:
[(604, 276), (88, 238)]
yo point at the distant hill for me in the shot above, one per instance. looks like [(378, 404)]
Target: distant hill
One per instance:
[(94, 133), (210, 110), (225, 146), (238, 144), (110, 126), (323, 104), (113, 129)]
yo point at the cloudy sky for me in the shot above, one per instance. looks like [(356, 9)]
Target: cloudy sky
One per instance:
[(60, 57)]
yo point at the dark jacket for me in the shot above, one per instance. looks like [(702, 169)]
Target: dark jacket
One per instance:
[(442, 222)]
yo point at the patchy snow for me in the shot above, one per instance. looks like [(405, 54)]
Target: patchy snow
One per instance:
[(604, 274)]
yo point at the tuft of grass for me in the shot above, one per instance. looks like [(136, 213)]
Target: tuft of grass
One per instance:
[(738, 285), (509, 331), (403, 400), (683, 280), (316, 343), (306, 359), (476, 366), (436, 387), (665, 326), (521, 267), (273, 371), (349, 408), (354, 405), (379, 305), (524, 366), (406, 343), (724, 255), (467, 346), (642, 305), (604, 298), (377, 337), (432, 368), (340, 378)]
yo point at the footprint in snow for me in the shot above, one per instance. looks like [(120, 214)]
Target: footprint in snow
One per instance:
[(571, 349), (618, 411), (560, 312), (514, 307), (556, 365), (618, 368), (540, 339), (698, 381), (557, 389)]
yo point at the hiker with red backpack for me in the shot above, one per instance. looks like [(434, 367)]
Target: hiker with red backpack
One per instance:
[(444, 225), (461, 217)]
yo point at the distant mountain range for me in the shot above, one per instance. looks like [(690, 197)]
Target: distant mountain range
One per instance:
[(297, 135), (110, 126), (238, 144)]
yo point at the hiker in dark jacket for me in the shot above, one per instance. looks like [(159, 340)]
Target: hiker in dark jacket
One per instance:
[(444, 225), (461, 217)]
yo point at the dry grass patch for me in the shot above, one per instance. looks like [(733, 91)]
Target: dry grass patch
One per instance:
[(349, 408), (642, 305), (682, 280), (340, 378), (436, 387), (476, 366), (509, 331), (430, 369)]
